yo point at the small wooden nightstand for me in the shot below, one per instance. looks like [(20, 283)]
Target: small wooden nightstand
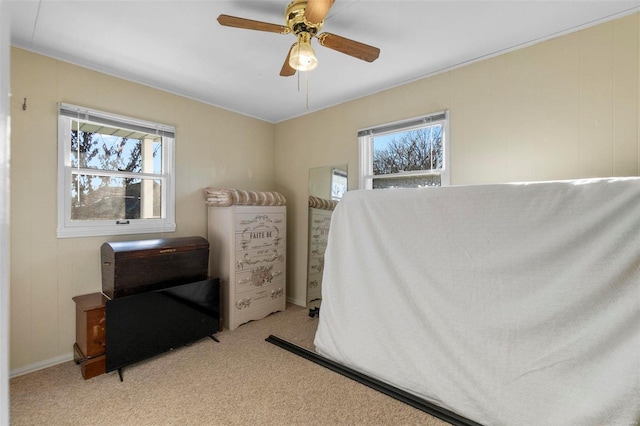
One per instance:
[(89, 349)]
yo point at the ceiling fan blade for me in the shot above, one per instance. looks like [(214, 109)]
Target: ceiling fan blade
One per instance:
[(316, 10), (248, 24), (349, 47), (287, 70)]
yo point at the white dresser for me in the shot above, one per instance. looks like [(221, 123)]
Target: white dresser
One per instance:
[(320, 212), (319, 222), (247, 237)]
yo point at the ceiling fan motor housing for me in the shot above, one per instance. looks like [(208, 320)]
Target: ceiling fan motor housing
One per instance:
[(294, 19)]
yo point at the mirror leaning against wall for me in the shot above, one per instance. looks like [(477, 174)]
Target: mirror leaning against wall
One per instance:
[(327, 185)]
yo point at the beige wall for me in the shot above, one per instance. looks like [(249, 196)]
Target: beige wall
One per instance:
[(214, 147), (561, 109), (565, 108)]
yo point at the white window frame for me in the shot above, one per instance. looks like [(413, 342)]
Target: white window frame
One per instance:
[(365, 142), (88, 228)]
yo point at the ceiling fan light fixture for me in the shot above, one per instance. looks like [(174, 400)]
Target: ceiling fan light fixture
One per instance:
[(302, 57)]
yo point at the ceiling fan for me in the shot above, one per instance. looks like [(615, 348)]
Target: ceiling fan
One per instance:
[(305, 18)]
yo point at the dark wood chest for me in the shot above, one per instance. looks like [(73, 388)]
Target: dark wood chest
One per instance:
[(132, 267)]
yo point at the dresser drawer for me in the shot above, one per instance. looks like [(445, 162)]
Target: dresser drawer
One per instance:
[(263, 219), (316, 265), (255, 258), (314, 286), (90, 323), (255, 231), (92, 367), (255, 240), (258, 296), (261, 276), (259, 302)]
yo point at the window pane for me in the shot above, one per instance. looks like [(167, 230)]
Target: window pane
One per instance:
[(407, 182), (108, 198), (107, 148), (413, 150)]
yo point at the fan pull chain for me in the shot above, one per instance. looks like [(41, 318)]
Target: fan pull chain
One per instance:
[(307, 90), (306, 86)]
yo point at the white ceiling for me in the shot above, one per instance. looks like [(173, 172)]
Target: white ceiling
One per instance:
[(178, 46)]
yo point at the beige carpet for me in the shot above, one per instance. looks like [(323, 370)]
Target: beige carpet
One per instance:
[(242, 380)]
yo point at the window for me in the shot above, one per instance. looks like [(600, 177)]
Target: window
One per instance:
[(338, 183), (115, 174), (407, 154)]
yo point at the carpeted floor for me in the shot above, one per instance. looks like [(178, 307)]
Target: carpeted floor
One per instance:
[(242, 380)]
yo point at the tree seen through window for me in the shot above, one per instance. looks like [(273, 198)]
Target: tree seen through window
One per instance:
[(408, 151), (97, 196)]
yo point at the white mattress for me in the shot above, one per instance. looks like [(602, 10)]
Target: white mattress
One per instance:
[(514, 304)]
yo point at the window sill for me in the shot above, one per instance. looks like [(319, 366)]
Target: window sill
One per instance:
[(96, 231)]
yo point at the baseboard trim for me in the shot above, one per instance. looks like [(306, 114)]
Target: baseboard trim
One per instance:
[(387, 389), (296, 302), (41, 365)]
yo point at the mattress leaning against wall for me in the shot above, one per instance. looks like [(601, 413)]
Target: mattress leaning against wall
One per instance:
[(507, 304)]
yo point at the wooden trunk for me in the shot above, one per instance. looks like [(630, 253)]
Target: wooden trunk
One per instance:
[(132, 267)]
